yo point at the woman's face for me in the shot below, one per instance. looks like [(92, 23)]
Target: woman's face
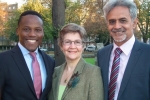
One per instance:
[(72, 46)]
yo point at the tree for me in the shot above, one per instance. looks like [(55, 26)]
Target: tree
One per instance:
[(58, 20), (1, 23), (95, 24), (36, 5), (3, 18), (11, 25), (75, 12), (144, 18)]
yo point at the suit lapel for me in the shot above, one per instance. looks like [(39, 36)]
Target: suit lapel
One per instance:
[(56, 80), (79, 68), (135, 53), (21, 64), (47, 73), (47, 70), (106, 69)]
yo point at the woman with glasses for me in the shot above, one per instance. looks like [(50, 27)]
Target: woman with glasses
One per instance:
[(75, 79)]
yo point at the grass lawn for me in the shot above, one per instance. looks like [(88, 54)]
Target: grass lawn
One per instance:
[(90, 60)]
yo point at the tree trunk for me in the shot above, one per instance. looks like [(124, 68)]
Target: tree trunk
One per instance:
[(58, 19), (145, 39)]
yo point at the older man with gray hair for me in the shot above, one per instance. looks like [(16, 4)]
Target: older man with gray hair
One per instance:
[(125, 63)]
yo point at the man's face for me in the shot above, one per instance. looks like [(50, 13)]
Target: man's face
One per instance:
[(30, 32), (120, 24)]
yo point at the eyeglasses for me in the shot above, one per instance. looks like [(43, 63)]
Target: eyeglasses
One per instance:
[(76, 42)]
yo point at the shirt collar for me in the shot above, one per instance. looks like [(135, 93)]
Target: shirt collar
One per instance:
[(24, 50), (127, 46)]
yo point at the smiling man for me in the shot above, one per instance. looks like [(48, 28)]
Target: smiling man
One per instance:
[(30, 32), (125, 63), (26, 71)]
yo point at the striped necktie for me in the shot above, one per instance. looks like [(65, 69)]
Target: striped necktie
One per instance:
[(114, 74)]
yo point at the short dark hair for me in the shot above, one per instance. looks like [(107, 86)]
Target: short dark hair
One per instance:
[(29, 12)]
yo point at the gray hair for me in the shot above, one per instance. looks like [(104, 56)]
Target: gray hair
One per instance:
[(126, 3), (71, 27)]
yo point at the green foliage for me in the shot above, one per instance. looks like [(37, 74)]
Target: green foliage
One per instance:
[(94, 23), (11, 24), (55, 31), (33, 5), (74, 12), (46, 14), (144, 18), (48, 28), (1, 26), (103, 37)]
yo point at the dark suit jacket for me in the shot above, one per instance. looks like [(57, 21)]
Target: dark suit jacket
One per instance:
[(136, 80), (89, 87), (15, 78)]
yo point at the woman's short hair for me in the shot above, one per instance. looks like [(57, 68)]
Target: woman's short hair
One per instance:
[(71, 27)]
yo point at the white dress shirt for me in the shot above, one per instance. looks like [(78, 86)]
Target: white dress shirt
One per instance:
[(124, 57), (28, 60)]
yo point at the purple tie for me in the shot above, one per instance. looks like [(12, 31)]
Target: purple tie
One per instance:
[(114, 74), (36, 75)]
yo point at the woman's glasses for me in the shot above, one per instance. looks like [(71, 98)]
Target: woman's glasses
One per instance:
[(76, 42)]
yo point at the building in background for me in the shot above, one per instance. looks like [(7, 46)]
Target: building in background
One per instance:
[(6, 11)]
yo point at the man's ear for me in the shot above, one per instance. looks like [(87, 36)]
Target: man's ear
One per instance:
[(135, 23), (17, 31)]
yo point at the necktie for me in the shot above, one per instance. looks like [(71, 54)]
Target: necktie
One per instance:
[(114, 73), (36, 75)]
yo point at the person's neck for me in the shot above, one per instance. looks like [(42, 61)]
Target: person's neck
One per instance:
[(71, 64)]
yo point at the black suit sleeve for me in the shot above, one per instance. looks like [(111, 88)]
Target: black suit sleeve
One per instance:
[(2, 75)]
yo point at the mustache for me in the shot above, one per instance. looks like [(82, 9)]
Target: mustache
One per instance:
[(118, 30)]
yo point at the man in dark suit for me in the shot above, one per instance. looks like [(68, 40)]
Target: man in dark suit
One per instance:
[(16, 71), (131, 80)]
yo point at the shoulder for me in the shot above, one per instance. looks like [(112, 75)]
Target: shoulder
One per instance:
[(106, 48), (145, 46), (91, 75), (6, 59), (58, 69), (5, 54), (49, 61), (8, 52), (60, 66), (91, 69), (104, 52), (44, 55), (90, 66), (141, 46)]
